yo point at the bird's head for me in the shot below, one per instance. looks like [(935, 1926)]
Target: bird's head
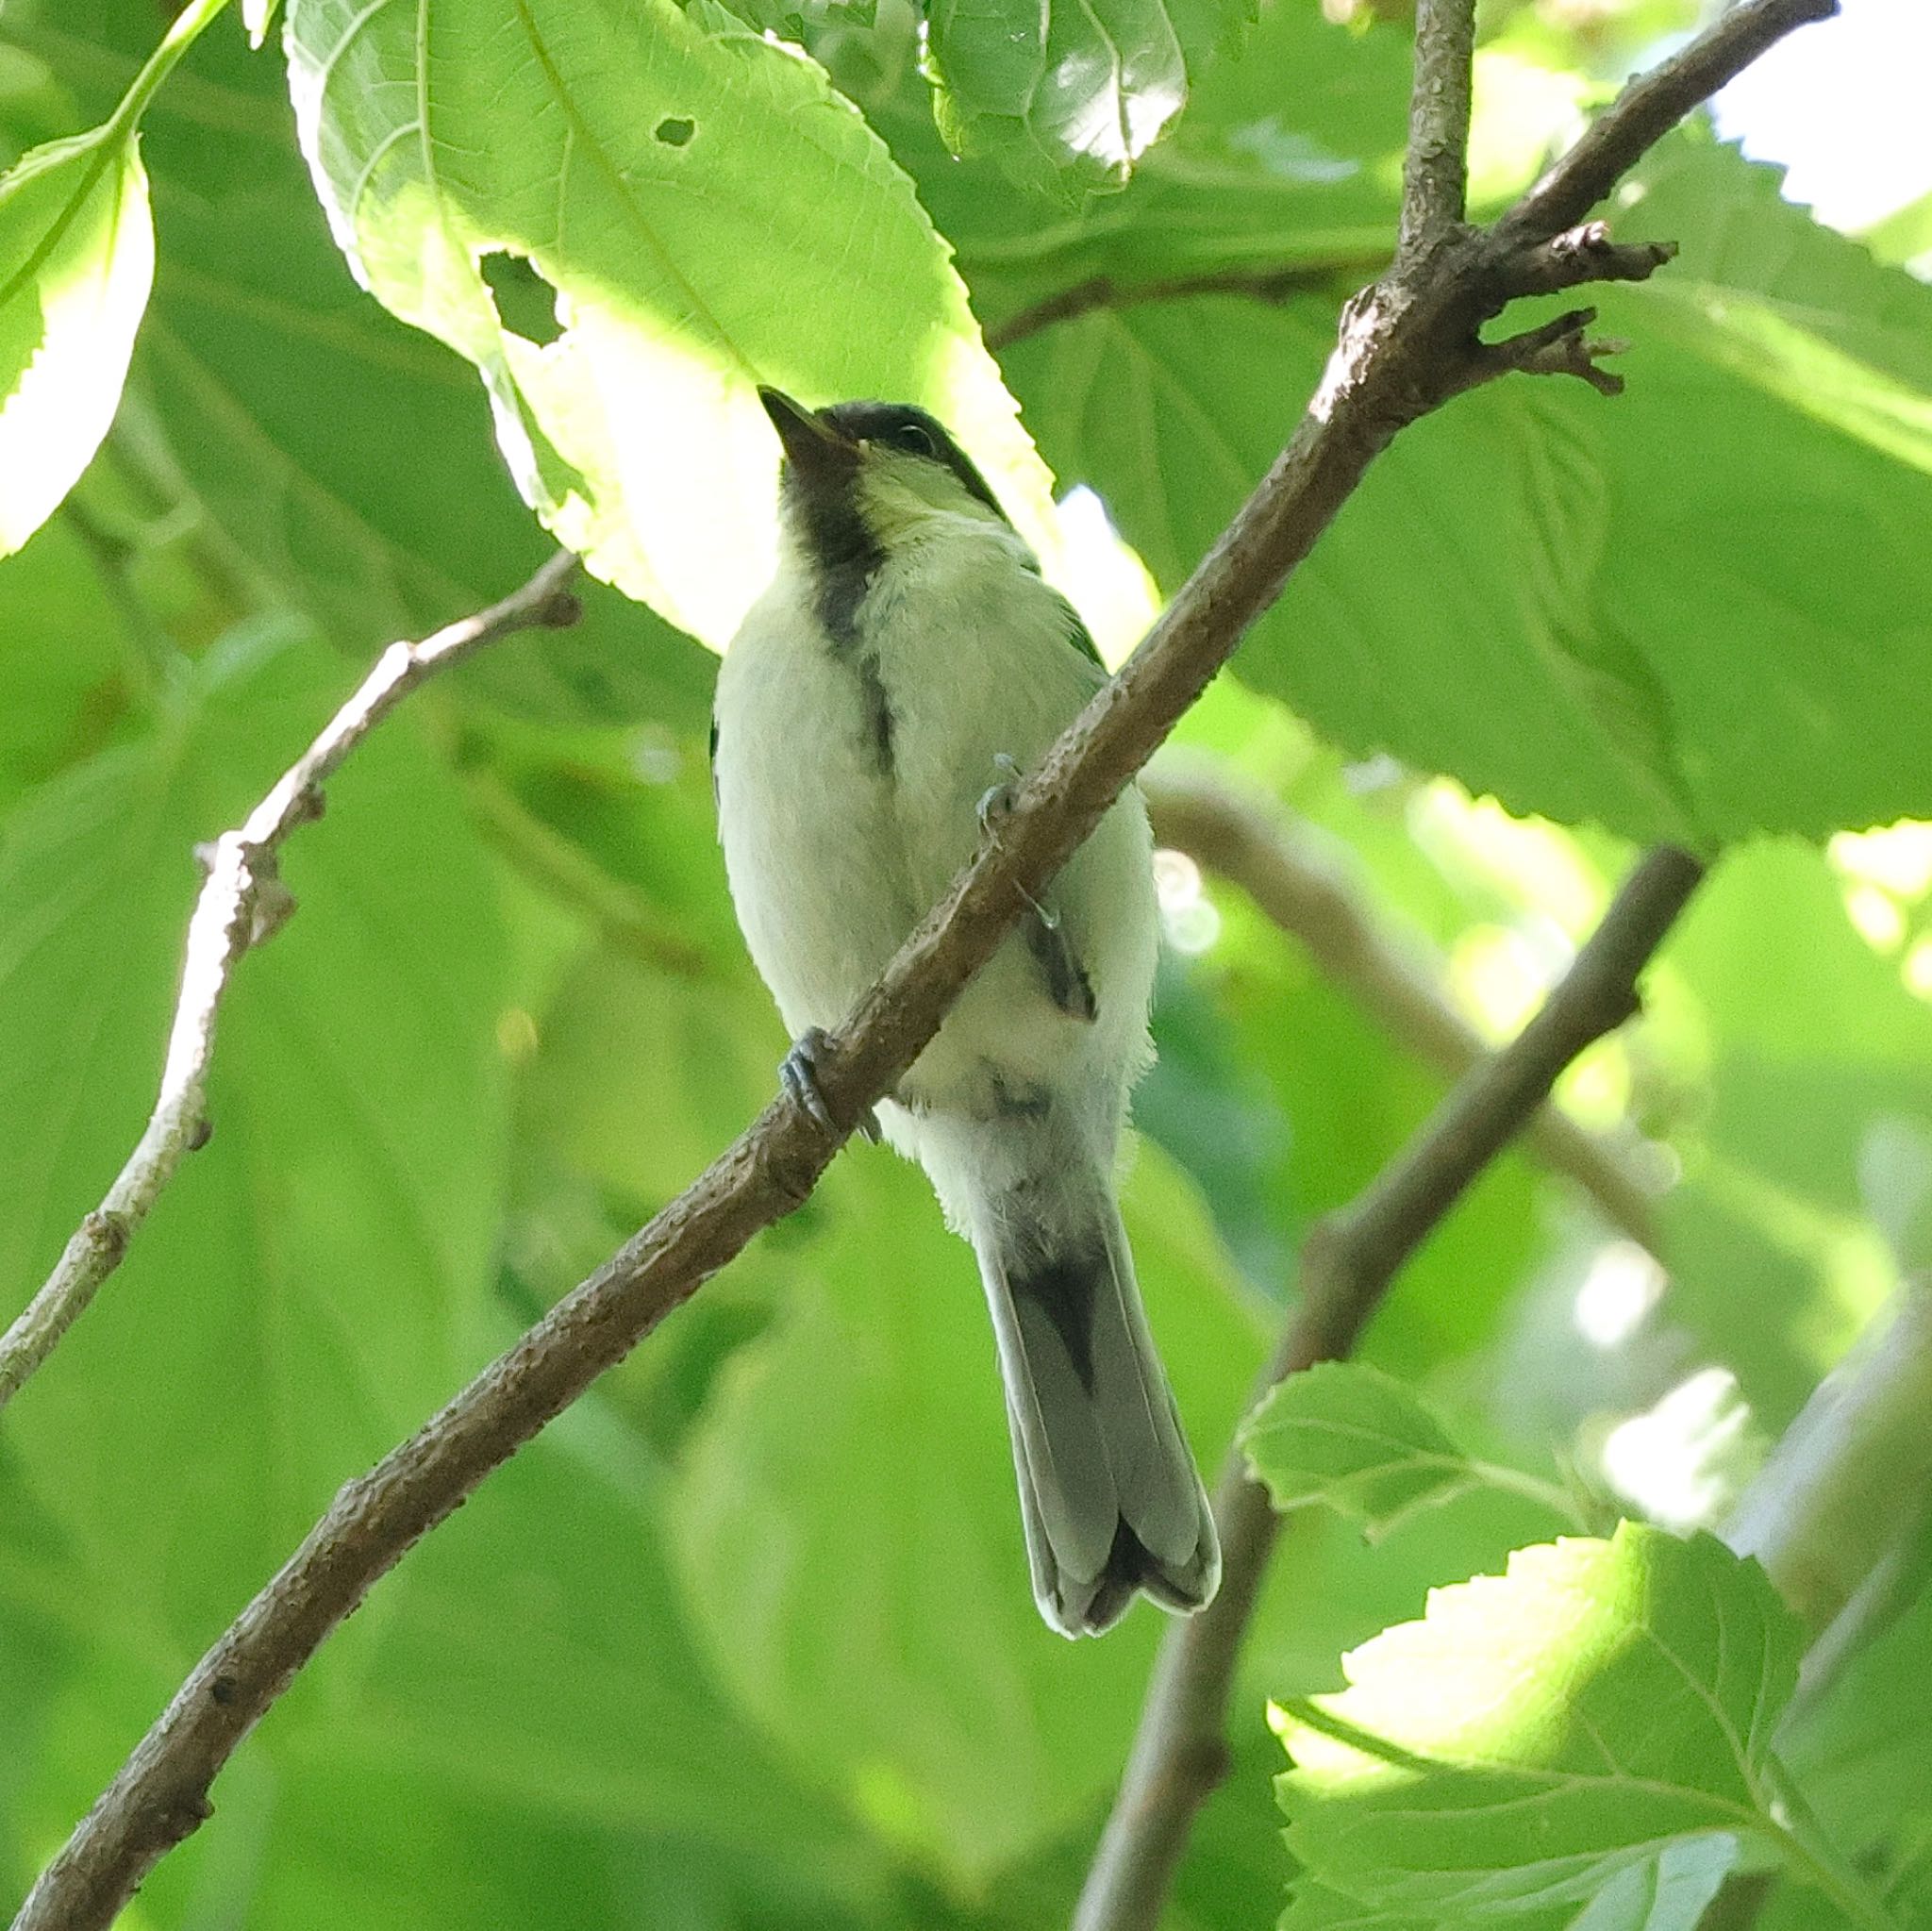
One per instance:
[(884, 467)]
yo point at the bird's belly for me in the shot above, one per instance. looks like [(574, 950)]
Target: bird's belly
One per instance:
[(840, 839), (810, 835)]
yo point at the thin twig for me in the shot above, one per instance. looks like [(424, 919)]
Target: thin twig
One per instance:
[(1646, 110), (1305, 896), (1272, 285), (242, 902), (1403, 350), (1435, 167), (1347, 1263)]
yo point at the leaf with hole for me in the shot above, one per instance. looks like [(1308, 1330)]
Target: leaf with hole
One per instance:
[(700, 214)]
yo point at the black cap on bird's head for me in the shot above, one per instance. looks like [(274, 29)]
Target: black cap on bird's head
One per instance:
[(824, 449)]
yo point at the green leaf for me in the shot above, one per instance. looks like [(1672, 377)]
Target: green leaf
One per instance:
[(1538, 1732), (1813, 1057), (1069, 97), (1668, 1892), (663, 181), (1677, 648), (1153, 405), (76, 260), (849, 1527), (1352, 1436), (1859, 1752), (304, 1292), (1780, 633), (278, 388), (1285, 158)]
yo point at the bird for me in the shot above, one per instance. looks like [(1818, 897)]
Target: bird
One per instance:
[(905, 664)]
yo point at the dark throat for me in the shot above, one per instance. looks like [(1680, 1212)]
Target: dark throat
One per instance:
[(844, 557)]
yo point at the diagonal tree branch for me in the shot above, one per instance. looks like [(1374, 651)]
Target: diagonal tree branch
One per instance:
[(1347, 1263), (243, 901), (1405, 347), (1307, 897)]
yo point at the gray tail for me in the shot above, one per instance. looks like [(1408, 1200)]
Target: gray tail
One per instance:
[(1109, 1491)]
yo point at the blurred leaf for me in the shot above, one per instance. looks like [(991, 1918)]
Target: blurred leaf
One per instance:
[(1068, 98), (663, 180), (848, 1527), (59, 665), (1540, 1731), (1348, 1099), (535, 1652), (1810, 1053), (1859, 1752), (1356, 1438), (1904, 236), (301, 1294), (78, 252)]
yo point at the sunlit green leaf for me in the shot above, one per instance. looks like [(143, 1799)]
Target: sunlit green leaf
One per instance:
[(665, 182), (77, 259), (282, 391), (1540, 1731)]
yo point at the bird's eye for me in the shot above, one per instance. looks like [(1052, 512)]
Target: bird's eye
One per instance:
[(913, 439)]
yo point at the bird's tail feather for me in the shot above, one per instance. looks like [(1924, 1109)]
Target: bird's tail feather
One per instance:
[(1108, 1493)]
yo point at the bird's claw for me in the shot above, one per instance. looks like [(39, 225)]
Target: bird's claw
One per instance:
[(996, 801), (995, 804), (798, 1074)]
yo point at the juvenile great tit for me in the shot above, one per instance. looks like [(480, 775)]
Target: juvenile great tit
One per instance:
[(907, 654)]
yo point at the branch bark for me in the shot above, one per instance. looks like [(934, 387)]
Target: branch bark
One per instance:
[(1307, 898), (1435, 164), (243, 902), (1407, 345), (1347, 1263)]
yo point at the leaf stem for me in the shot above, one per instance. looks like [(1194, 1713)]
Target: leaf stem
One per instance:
[(1552, 1495), (186, 30)]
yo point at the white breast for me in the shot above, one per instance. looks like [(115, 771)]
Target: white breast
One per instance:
[(833, 854)]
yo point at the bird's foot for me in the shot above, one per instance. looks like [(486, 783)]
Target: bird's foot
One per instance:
[(799, 1074), (995, 807), (996, 801)]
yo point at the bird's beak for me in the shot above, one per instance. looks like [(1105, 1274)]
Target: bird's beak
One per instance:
[(811, 445)]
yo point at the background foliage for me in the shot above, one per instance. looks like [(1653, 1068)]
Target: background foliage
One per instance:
[(745, 1640)]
